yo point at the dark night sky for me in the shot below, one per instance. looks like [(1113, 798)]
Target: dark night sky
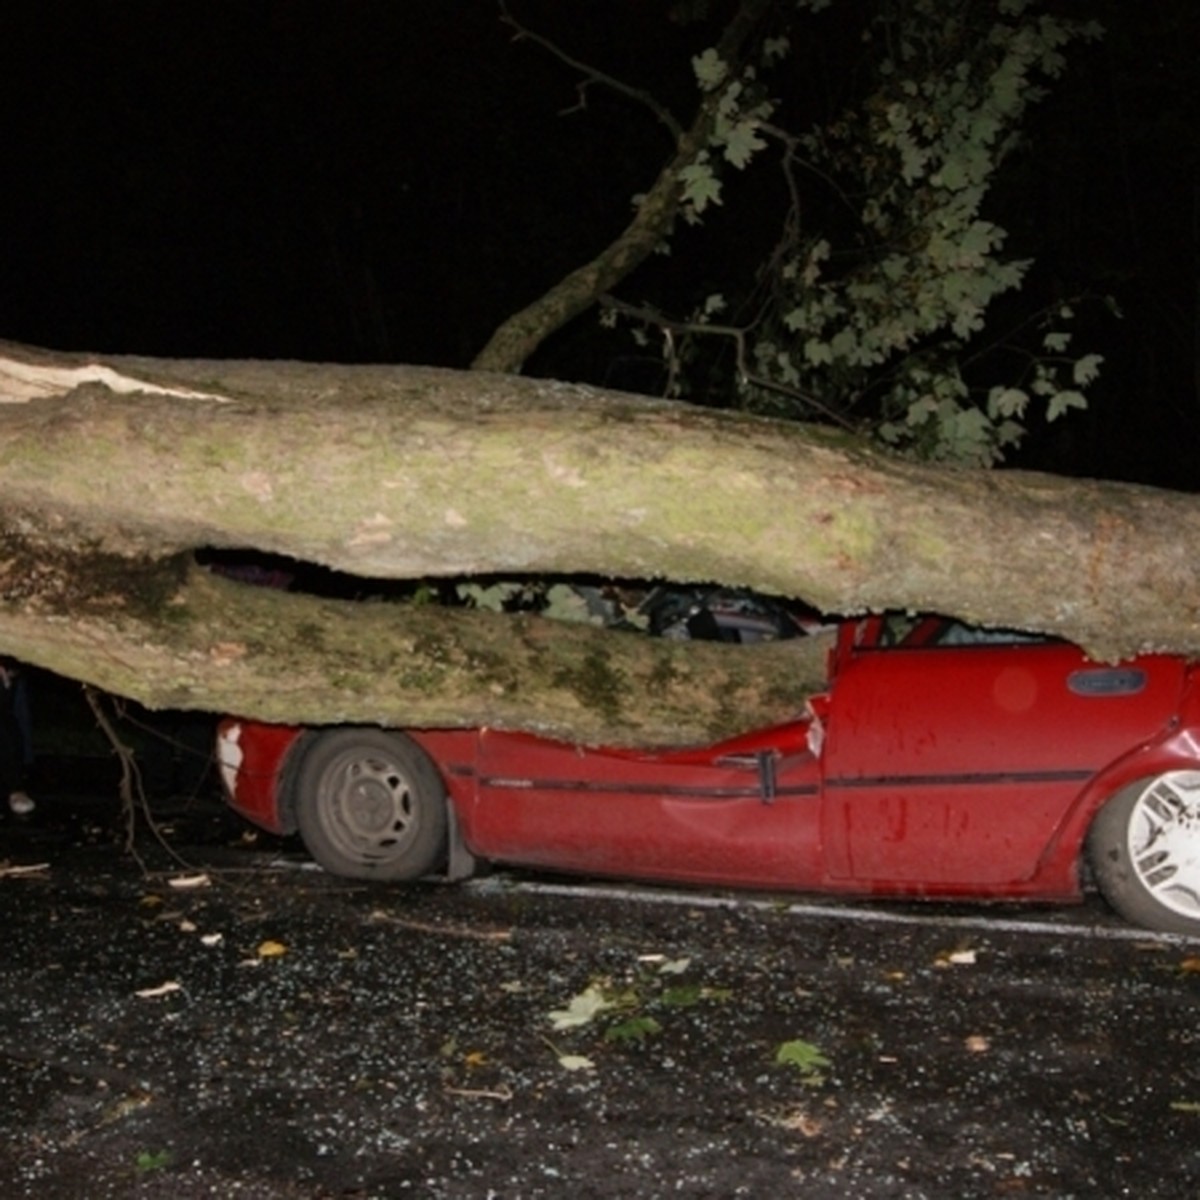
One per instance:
[(386, 181)]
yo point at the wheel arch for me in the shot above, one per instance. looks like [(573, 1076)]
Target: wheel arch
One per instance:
[(286, 802), (460, 863), (1178, 750)]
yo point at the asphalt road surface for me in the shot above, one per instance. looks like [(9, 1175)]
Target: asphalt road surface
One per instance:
[(238, 1024)]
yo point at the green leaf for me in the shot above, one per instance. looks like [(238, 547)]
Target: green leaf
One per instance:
[(674, 966), (1087, 368), (687, 995), (492, 598), (635, 1029), (742, 142), (775, 48), (152, 1160), (807, 1060), (710, 69), (565, 603), (1062, 402), (701, 187), (1007, 402)]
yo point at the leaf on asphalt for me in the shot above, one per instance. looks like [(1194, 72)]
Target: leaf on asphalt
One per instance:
[(152, 1160), (187, 882), (474, 1058), (796, 1120), (1191, 964), (163, 989), (271, 949), (675, 966), (962, 957), (211, 939), (806, 1058), (576, 1062), (1185, 1106), (581, 1009), (978, 1044), (636, 1029), (686, 995)]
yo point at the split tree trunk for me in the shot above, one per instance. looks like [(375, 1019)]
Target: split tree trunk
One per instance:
[(115, 470)]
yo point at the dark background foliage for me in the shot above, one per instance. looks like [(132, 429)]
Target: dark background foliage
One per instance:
[(383, 181)]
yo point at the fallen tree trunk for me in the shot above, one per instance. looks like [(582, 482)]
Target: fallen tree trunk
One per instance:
[(115, 470)]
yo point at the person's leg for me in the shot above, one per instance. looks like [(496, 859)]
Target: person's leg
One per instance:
[(12, 767), (23, 713)]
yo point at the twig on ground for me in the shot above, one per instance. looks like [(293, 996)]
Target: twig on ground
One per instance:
[(133, 795), (458, 931)]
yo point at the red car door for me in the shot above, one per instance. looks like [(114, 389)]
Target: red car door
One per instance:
[(946, 766), (743, 813)]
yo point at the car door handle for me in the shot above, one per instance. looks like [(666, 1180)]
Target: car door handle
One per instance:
[(763, 761)]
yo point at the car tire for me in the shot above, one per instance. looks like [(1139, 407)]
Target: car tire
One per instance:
[(1144, 848), (370, 805)]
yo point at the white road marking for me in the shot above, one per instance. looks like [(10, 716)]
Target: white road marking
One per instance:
[(832, 912)]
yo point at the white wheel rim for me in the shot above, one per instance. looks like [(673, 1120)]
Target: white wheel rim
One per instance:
[(1164, 841)]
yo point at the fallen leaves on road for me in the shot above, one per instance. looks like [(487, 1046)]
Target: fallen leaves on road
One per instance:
[(807, 1059), (581, 1008), (163, 989), (795, 1120), (189, 882), (964, 956)]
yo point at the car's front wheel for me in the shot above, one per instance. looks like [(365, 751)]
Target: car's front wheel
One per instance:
[(370, 805), (1144, 847)]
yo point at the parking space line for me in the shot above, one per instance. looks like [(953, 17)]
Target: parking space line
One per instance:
[(840, 913)]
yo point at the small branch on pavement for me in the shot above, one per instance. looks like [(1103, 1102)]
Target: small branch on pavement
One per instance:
[(501, 1093), (457, 931)]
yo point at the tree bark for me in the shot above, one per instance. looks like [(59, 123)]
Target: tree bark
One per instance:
[(107, 487)]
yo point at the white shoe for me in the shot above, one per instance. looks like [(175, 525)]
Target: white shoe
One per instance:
[(20, 804)]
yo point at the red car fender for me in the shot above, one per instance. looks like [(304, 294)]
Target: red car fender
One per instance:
[(1177, 748), (253, 771)]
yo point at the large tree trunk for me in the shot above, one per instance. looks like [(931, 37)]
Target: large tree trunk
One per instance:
[(115, 470)]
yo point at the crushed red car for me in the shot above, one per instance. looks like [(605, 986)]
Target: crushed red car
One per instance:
[(940, 762)]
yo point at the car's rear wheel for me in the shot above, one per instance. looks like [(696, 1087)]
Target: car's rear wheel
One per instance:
[(370, 805), (1144, 847)]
